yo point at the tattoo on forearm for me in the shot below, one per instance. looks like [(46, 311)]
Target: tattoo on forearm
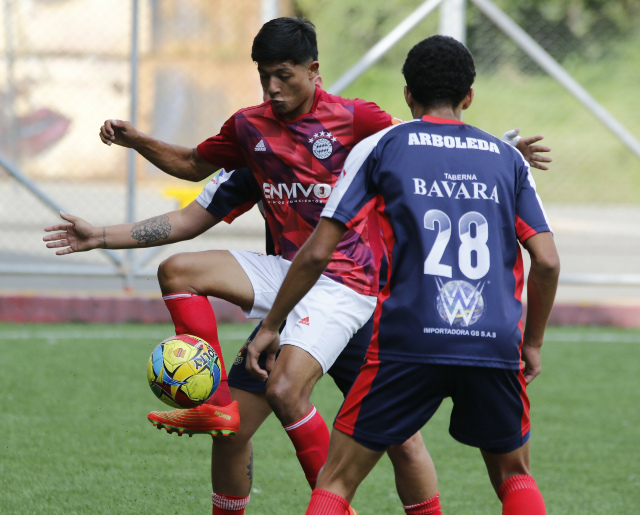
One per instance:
[(250, 471), (104, 237), (151, 230)]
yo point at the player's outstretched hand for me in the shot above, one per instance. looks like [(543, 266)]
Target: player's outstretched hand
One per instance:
[(119, 132), (265, 340), (77, 235), (531, 152), (532, 363)]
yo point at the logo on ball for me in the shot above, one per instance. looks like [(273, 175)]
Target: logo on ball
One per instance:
[(183, 371)]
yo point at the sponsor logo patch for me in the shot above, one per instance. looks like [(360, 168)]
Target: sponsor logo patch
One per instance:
[(459, 303)]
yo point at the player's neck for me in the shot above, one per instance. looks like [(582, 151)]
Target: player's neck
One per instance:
[(446, 113)]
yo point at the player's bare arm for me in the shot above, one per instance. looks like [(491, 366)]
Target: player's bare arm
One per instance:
[(541, 291), (78, 235), (531, 152), (306, 268), (175, 160), (528, 148)]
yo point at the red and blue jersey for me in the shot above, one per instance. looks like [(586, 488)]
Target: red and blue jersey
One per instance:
[(453, 202), (296, 165), (230, 194)]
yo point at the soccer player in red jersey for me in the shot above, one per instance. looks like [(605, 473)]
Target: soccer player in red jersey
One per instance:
[(295, 145), (447, 323), (224, 198)]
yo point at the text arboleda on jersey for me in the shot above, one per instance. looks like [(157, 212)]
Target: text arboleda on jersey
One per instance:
[(437, 140), (456, 189)]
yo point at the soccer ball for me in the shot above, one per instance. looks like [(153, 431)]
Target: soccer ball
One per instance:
[(183, 371)]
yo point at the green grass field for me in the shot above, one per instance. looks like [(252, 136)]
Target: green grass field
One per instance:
[(75, 437)]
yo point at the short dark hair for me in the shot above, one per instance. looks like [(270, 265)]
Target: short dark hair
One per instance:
[(439, 71), (285, 39)]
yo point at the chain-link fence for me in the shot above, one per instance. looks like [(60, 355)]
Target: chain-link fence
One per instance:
[(67, 65), (178, 68)]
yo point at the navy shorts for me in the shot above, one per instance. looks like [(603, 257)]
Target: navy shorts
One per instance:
[(391, 401), (343, 371)]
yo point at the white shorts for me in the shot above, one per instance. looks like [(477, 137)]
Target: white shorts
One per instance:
[(322, 323)]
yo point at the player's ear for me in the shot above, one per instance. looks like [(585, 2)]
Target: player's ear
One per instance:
[(313, 68), (468, 99), (408, 99)]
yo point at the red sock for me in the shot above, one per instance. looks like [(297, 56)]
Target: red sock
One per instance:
[(228, 504), (429, 507), (193, 314), (326, 503), (520, 496), (310, 438)]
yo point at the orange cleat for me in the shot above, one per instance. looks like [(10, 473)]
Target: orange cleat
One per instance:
[(352, 511), (217, 421)]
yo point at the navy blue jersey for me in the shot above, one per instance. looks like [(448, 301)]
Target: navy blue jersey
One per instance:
[(230, 194), (453, 202)]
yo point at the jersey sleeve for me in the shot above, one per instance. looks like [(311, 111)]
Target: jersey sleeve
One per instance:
[(223, 150), (230, 194), (531, 218), (354, 195), (368, 119)]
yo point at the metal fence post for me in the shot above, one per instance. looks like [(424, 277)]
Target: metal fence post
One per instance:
[(269, 9), (384, 45), (453, 19), (131, 189), (555, 70)]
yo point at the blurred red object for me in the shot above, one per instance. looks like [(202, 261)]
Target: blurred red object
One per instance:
[(36, 131)]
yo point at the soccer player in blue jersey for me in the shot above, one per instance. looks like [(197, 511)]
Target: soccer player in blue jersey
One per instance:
[(454, 204), (295, 144)]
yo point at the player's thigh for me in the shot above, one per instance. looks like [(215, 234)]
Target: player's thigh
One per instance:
[(490, 408), (293, 376), (215, 273), (390, 402), (324, 321)]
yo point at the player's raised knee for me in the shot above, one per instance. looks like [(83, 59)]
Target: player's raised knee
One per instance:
[(172, 272), (285, 398)]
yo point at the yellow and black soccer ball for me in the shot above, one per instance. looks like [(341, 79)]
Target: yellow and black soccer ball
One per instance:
[(183, 371)]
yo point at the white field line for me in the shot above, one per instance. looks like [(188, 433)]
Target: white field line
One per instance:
[(89, 335), (596, 338), (52, 335)]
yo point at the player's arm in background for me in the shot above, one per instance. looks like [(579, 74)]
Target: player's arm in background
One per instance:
[(182, 162), (528, 148), (78, 235), (224, 198), (541, 291)]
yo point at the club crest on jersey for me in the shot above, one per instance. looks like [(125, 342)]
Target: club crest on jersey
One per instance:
[(322, 144), (459, 303)]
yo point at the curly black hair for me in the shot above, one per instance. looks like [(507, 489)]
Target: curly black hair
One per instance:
[(439, 71), (285, 39)]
